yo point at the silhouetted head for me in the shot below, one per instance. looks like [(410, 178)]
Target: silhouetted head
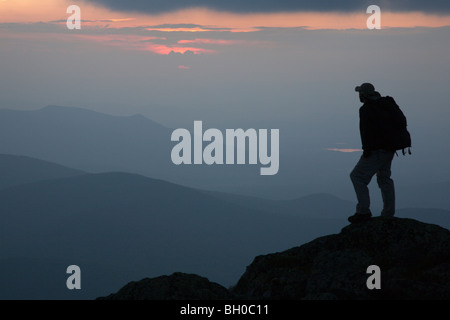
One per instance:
[(367, 92)]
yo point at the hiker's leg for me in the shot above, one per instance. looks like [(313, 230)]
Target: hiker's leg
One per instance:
[(360, 177), (386, 184)]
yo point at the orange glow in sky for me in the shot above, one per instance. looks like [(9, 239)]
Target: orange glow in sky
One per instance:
[(198, 20), (131, 42), (210, 41), (50, 10)]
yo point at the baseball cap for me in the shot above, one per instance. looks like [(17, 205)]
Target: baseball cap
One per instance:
[(366, 89)]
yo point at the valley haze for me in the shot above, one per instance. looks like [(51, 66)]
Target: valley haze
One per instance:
[(120, 226)]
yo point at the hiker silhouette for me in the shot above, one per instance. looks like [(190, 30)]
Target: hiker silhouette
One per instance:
[(377, 155)]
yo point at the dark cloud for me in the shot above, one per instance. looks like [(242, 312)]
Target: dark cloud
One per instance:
[(246, 6)]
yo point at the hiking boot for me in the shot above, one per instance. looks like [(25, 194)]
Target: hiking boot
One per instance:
[(359, 217)]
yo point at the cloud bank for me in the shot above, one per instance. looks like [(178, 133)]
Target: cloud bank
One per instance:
[(266, 6)]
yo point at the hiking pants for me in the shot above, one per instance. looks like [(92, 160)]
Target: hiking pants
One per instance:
[(378, 162)]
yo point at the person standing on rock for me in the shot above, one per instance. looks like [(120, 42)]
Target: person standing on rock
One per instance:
[(376, 158)]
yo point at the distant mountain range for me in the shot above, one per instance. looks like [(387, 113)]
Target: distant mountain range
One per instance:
[(81, 187), (96, 142), (84, 139), (15, 170), (120, 227)]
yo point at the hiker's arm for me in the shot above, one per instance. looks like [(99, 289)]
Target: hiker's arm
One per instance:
[(365, 129)]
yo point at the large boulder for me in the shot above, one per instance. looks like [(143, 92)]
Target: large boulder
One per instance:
[(413, 257)]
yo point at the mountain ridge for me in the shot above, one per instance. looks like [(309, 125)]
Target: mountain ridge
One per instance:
[(129, 221), (120, 226), (20, 169), (86, 140)]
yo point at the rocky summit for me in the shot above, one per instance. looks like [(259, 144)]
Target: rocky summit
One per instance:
[(412, 259)]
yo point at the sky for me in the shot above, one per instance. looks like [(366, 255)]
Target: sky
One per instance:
[(267, 64), (169, 42)]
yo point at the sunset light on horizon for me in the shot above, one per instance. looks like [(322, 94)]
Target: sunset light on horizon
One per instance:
[(29, 11), (108, 26)]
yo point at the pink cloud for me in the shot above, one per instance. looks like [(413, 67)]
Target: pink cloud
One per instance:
[(142, 43), (183, 67), (177, 29), (344, 150), (210, 41), (167, 49)]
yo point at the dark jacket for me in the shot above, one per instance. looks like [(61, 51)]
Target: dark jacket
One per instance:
[(372, 120)]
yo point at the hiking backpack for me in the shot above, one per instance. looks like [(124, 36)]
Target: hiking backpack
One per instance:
[(394, 128)]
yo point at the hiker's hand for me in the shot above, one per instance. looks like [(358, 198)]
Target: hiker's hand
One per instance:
[(366, 153)]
